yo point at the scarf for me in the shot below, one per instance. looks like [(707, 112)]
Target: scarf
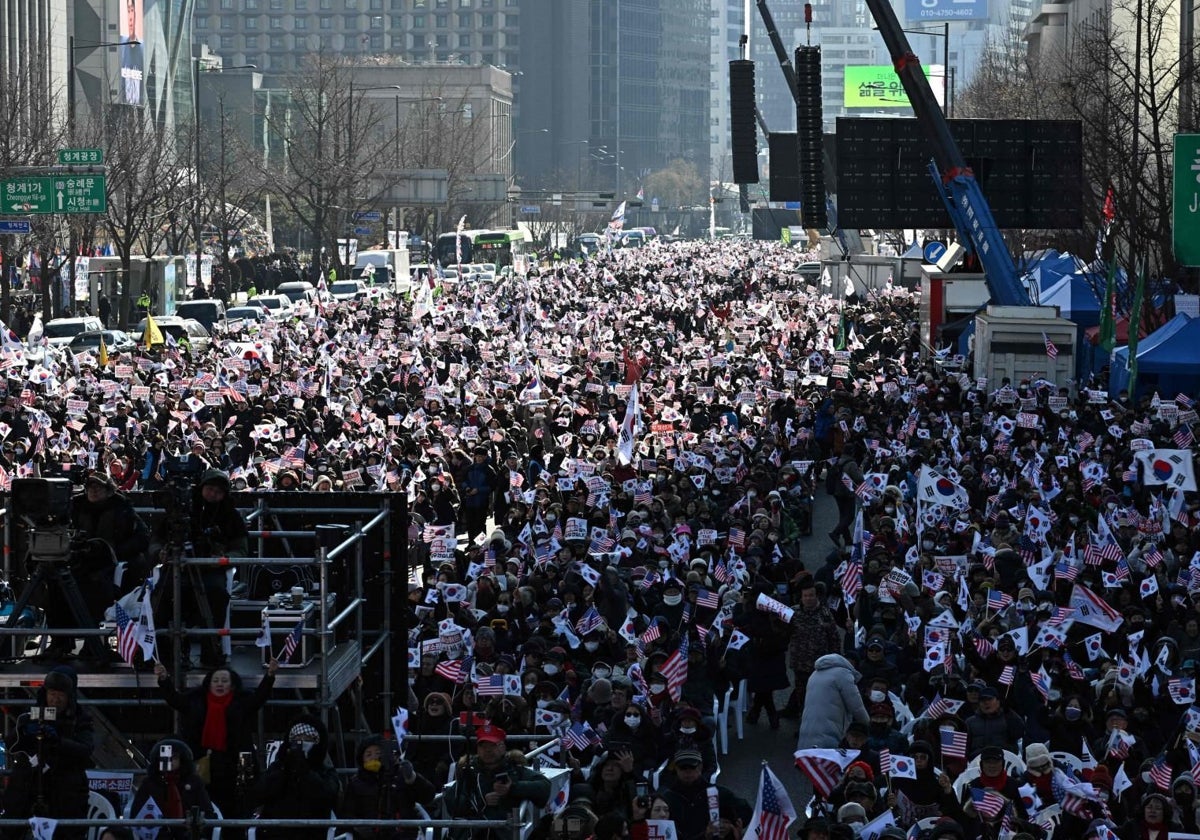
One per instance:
[(996, 782), (214, 737), (174, 806)]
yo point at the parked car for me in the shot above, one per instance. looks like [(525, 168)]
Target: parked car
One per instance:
[(347, 290), (116, 341), (279, 306), (208, 311), (297, 291), (246, 313), (181, 329), (60, 331)]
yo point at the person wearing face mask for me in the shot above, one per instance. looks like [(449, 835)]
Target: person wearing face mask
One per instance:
[(171, 781), (433, 718), (670, 607), (384, 787), (299, 784), (1048, 781), (632, 731), (1070, 726), (689, 732)]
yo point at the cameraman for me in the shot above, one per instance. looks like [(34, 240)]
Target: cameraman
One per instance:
[(215, 529), (50, 758), (299, 784), (492, 783), (385, 788), (102, 513)]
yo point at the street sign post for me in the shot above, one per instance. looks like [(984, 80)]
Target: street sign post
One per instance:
[(13, 227), (530, 209), (43, 195), (362, 231), (1185, 216), (86, 157), (933, 250), (368, 216)]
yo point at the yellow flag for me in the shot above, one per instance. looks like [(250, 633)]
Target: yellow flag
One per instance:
[(103, 352), (153, 335)]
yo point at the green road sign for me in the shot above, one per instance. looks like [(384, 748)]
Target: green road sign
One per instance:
[(53, 194), (1185, 218), (79, 194), (87, 157), (26, 195)]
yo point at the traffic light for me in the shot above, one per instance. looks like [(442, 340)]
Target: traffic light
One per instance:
[(808, 137), (743, 136)]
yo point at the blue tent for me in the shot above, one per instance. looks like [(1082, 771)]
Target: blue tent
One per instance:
[(1073, 295), (1168, 360)]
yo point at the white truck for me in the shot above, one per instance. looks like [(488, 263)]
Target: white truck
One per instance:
[(392, 262)]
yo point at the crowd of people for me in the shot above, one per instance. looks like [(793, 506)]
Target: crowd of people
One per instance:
[(611, 465)]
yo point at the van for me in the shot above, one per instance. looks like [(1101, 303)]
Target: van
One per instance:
[(297, 291), (208, 311)]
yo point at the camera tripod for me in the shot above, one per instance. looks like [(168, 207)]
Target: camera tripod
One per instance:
[(50, 551)]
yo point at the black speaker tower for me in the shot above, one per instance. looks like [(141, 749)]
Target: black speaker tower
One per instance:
[(808, 137), (743, 137)]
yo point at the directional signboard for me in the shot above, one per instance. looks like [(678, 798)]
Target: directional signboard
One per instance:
[(41, 194), (1185, 218), (368, 216), (75, 157), (12, 227)]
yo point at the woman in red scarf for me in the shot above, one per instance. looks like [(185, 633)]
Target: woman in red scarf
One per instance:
[(217, 719)]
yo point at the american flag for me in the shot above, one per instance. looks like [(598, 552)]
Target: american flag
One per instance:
[(954, 743), (1183, 437), (674, 669), (1160, 773), (589, 621), (1184, 400), (491, 686), (580, 736), (1008, 675), (652, 633), (988, 804), (456, 670), (1073, 669), (292, 642), (127, 630), (824, 768), (649, 580), (984, 647), (737, 537), (1041, 681), (707, 599), (1051, 350), (773, 812), (1153, 557), (941, 707), (1066, 571), (851, 578), (721, 571), (997, 600)]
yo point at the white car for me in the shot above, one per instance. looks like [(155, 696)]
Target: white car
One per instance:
[(343, 290), (280, 306), (60, 331)]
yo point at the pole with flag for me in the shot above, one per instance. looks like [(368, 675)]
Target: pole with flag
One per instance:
[(103, 352), (1135, 326), (1108, 318), (773, 810), (152, 334)]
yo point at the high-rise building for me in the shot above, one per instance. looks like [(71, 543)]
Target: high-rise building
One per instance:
[(34, 55), (726, 25)]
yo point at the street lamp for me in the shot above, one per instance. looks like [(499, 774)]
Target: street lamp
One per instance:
[(196, 101), (71, 47), (945, 36)]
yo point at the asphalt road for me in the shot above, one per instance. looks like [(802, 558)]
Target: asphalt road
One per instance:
[(740, 769)]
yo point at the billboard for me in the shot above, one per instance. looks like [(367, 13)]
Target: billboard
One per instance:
[(918, 11), (131, 23), (878, 86)]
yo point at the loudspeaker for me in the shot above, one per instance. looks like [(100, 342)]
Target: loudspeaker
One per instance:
[(785, 178), (809, 163), (743, 136)]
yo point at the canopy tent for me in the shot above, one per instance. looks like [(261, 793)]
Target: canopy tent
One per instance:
[(1121, 332), (1168, 360), (1072, 294), (914, 252)]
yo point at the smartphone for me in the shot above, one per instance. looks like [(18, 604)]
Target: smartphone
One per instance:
[(642, 790)]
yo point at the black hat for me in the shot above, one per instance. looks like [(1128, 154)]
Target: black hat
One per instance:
[(991, 754), (988, 691)]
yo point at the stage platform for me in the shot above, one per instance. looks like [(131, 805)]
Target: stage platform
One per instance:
[(344, 668)]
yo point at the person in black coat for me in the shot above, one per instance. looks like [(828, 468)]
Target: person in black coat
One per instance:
[(300, 783), (49, 760), (220, 741), (171, 781), (384, 789)]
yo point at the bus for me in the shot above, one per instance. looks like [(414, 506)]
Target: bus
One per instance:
[(444, 251), (503, 247)]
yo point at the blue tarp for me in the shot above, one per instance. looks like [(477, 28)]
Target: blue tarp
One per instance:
[(1168, 360)]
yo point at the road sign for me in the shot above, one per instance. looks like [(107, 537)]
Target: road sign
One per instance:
[(11, 227), (943, 10), (933, 250), (79, 194), (87, 157), (530, 209), (26, 195), (362, 231), (1185, 218), (368, 216)]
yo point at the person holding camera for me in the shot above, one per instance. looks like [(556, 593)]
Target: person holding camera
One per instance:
[(216, 724), (50, 754), (299, 784), (174, 786), (215, 529), (491, 783), (385, 787)]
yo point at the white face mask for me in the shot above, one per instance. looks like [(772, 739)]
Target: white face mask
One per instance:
[(688, 730), (658, 688), (877, 696), (502, 608), (602, 673), (672, 600), (633, 721), (591, 647), (550, 669)]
